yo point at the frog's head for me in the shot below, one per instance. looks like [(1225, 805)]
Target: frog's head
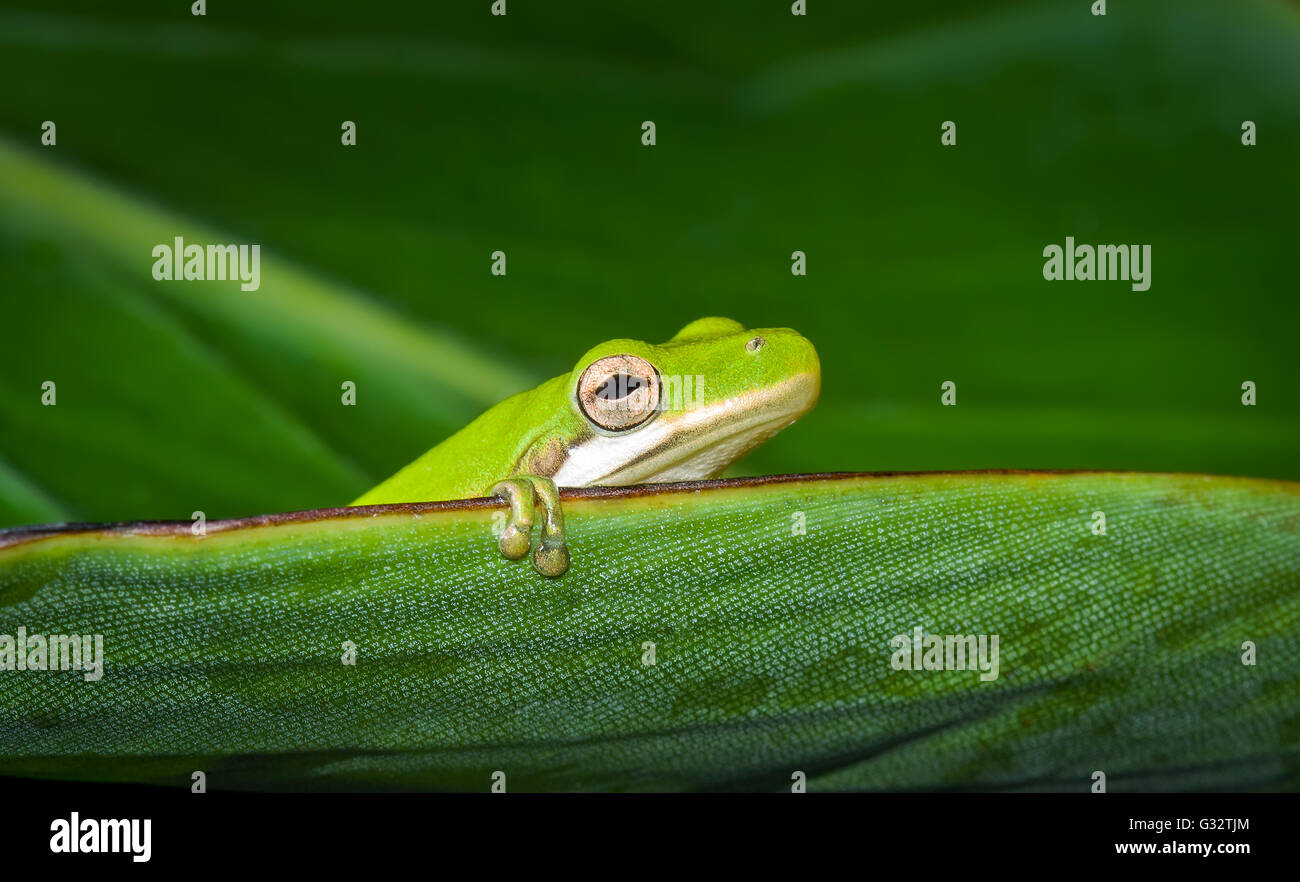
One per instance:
[(685, 409)]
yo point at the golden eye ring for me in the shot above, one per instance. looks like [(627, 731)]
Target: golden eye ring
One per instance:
[(619, 392)]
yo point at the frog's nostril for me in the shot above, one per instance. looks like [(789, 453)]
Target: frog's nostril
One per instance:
[(755, 344)]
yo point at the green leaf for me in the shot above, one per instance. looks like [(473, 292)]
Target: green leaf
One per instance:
[(1120, 652)]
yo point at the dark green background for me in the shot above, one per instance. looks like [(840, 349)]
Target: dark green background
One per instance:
[(522, 133)]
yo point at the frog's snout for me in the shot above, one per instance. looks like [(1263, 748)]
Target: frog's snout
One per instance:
[(791, 359)]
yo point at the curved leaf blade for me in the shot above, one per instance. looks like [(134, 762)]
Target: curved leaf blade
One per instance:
[(1118, 652)]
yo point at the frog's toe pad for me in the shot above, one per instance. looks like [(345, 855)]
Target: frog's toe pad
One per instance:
[(514, 542), (526, 495), (551, 560)]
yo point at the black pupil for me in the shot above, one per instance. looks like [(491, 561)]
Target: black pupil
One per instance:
[(618, 386)]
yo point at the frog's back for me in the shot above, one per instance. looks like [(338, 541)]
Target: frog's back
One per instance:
[(468, 463)]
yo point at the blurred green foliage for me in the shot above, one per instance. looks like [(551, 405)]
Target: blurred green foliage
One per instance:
[(522, 133)]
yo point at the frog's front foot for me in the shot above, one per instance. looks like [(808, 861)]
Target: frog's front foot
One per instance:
[(524, 494)]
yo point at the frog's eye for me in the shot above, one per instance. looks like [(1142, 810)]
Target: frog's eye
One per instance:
[(619, 392)]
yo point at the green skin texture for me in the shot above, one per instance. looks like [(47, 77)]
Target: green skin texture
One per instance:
[(515, 449), (1119, 652), (514, 437)]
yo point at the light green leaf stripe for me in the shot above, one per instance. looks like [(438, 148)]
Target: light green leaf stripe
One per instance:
[(22, 500), (960, 48), (406, 55), (1119, 653), (306, 316)]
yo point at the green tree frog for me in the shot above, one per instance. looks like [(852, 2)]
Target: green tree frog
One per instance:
[(628, 413)]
